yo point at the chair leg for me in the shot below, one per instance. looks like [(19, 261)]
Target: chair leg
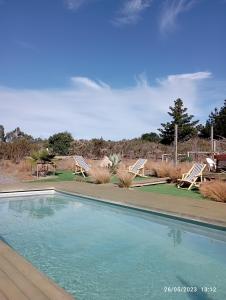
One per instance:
[(191, 185)]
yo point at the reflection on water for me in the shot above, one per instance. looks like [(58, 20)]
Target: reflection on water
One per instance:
[(176, 235), (40, 208)]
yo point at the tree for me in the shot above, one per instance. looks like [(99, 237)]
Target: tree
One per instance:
[(60, 143), (151, 137), (217, 119), (2, 133), (186, 127), (17, 134)]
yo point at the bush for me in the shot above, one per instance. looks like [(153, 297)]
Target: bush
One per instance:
[(125, 178), (168, 169), (42, 155), (115, 160), (100, 175), (21, 170), (60, 143), (17, 150), (214, 190)]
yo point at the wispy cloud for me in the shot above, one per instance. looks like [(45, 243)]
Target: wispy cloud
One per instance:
[(171, 11), (89, 108), (75, 4), (84, 82), (131, 11)]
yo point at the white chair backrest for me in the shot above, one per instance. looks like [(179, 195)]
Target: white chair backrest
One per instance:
[(81, 162), (196, 171), (138, 164), (211, 162)]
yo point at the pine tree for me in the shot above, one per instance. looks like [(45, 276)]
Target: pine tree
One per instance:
[(2, 133), (186, 127), (217, 119)]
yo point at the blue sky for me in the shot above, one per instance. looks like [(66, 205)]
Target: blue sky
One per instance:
[(108, 68)]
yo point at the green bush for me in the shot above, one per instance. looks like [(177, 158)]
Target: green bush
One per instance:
[(60, 143), (42, 155)]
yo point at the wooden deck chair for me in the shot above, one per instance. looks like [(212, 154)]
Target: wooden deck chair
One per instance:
[(138, 168), (81, 167), (192, 176)]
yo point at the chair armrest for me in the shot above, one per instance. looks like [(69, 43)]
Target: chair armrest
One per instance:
[(184, 175)]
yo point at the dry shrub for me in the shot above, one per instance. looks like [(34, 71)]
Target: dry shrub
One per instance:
[(66, 163), (168, 169), (17, 150), (176, 172), (125, 178), (21, 170), (100, 175), (214, 190)]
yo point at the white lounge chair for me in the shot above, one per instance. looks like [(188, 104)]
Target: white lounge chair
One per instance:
[(81, 167), (192, 176), (211, 164), (138, 168)]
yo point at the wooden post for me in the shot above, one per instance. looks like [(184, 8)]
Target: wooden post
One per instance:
[(214, 146), (212, 141), (175, 144)]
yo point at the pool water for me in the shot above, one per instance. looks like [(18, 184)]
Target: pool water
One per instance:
[(101, 251)]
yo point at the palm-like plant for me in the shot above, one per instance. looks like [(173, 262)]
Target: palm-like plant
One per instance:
[(115, 159)]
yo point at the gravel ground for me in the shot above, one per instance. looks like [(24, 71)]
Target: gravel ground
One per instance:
[(7, 179)]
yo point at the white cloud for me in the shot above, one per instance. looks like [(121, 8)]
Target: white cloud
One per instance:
[(84, 82), (131, 11), (75, 4), (190, 76), (93, 109), (171, 11)]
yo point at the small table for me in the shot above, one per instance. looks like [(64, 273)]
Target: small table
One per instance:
[(42, 168)]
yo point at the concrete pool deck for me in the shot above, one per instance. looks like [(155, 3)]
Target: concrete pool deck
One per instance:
[(19, 280), (201, 210)]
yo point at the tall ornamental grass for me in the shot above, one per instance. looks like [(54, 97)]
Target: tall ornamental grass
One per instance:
[(214, 190)]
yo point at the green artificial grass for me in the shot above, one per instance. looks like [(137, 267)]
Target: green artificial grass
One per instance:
[(59, 176), (165, 189), (172, 190), (65, 175)]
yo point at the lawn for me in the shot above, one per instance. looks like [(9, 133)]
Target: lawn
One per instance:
[(60, 176), (172, 190), (165, 189), (69, 176)]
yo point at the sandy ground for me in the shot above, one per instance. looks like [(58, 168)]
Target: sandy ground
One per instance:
[(4, 179)]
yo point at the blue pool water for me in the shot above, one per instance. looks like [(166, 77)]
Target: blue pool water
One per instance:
[(101, 251)]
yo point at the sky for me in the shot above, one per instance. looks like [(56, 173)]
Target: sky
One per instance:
[(108, 68)]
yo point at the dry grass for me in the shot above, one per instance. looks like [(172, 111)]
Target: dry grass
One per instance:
[(66, 163), (21, 170), (100, 175), (214, 190), (167, 169), (176, 172), (125, 178)]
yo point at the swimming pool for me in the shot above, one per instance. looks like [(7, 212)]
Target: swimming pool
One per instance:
[(101, 251)]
